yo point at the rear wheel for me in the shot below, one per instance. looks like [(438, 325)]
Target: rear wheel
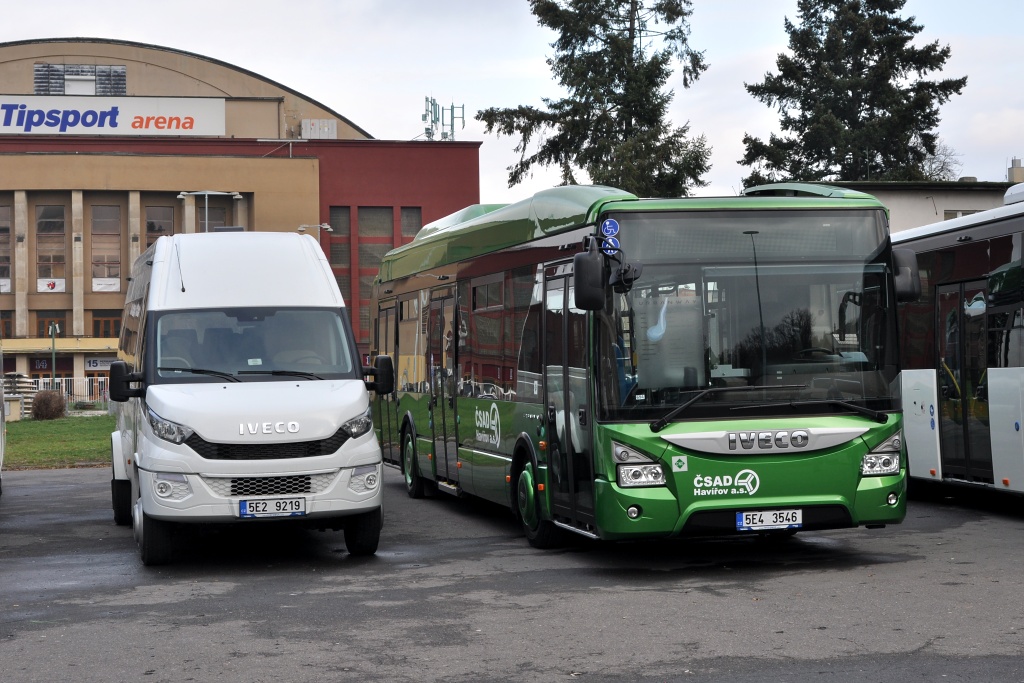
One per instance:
[(362, 533), (541, 533), (413, 480), (121, 501)]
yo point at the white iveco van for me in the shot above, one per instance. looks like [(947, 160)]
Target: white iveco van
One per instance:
[(241, 396)]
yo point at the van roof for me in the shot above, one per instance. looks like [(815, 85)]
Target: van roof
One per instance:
[(221, 270)]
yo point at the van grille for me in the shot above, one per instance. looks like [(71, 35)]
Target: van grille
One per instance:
[(269, 486), (266, 451)]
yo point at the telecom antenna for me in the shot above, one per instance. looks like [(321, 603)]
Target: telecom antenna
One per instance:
[(441, 119)]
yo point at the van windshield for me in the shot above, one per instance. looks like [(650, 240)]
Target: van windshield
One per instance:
[(251, 344)]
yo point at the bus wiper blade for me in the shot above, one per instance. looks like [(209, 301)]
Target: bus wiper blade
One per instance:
[(288, 373), (876, 415), (661, 423), (201, 371)]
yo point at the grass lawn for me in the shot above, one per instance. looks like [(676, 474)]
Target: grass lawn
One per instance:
[(67, 442)]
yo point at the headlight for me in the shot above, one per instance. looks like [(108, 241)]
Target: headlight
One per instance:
[(358, 426), (167, 430), (884, 458), (636, 469), (641, 475), (364, 478)]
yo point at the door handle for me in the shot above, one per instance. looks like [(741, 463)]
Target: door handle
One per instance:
[(551, 412), (582, 415)]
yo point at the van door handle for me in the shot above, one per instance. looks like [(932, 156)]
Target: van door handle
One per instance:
[(582, 415), (551, 412)]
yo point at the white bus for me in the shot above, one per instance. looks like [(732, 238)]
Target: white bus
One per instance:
[(963, 349), (241, 396)]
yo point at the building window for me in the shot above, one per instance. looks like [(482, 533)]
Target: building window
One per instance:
[(159, 222), (412, 220), (106, 324), (212, 219), (341, 229), (80, 79), (376, 221), (46, 318), (951, 214), (106, 248), (6, 324), (5, 249), (50, 248)]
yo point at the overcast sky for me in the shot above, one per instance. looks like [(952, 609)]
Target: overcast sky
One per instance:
[(375, 62)]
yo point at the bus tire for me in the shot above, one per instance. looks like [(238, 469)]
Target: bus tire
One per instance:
[(541, 533), (362, 533), (413, 480), (121, 501)]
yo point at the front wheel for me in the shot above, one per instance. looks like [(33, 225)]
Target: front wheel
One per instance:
[(362, 533), (121, 501), (541, 533), (154, 537)]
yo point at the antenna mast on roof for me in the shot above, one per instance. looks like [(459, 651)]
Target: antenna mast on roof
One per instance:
[(442, 118)]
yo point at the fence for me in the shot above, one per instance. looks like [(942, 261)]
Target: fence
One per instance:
[(82, 393)]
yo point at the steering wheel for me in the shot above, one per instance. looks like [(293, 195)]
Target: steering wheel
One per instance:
[(814, 349)]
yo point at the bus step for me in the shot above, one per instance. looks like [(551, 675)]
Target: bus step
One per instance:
[(449, 487)]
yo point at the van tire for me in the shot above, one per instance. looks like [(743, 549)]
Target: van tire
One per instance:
[(154, 537), (413, 480), (121, 501), (362, 533)]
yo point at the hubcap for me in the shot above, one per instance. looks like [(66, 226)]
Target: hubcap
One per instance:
[(527, 506), (408, 463)]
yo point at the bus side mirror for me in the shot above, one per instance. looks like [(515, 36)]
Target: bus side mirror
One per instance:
[(383, 373), (588, 275), (906, 276), (121, 382)]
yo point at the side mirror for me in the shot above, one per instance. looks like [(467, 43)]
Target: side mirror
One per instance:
[(121, 380), (588, 274), (383, 373), (906, 276)]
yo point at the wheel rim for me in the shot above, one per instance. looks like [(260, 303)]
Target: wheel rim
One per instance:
[(408, 462), (527, 500)]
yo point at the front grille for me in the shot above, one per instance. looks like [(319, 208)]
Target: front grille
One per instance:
[(227, 487), (266, 451)]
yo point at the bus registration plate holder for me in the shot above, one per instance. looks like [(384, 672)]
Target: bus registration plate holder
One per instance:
[(272, 507), (765, 520)]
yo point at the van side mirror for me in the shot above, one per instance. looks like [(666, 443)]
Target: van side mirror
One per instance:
[(589, 279), (383, 373), (906, 276), (120, 384)]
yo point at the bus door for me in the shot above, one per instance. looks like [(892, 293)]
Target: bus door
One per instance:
[(441, 363), (962, 380), (386, 418), (566, 377)]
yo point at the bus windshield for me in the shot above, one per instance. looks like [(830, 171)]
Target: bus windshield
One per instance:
[(252, 344), (781, 311)]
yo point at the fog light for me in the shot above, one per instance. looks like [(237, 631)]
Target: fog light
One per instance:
[(634, 511), (171, 485), (892, 499), (164, 488)]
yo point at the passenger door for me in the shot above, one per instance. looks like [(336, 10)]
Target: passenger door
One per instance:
[(567, 378), (441, 360)]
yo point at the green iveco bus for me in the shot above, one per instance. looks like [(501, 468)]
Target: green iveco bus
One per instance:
[(628, 368)]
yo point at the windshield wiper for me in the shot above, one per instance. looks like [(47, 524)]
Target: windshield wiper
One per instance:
[(876, 415), (661, 423), (288, 373), (200, 371)]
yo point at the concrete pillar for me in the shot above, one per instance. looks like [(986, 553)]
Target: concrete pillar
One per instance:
[(78, 265), (242, 212), (135, 232), (188, 218), (21, 267)]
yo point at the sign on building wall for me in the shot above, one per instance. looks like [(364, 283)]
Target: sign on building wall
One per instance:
[(125, 116)]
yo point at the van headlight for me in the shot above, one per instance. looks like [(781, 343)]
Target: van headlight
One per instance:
[(884, 458), (167, 430), (358, 426)]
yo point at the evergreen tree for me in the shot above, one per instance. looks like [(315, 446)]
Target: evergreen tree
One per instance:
[(851, 96), (614, 58)]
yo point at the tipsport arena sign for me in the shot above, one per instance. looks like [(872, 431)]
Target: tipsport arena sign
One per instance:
[(122, 116)]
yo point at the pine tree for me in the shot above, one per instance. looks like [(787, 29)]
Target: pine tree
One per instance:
[(613, 57), (852, 97)]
